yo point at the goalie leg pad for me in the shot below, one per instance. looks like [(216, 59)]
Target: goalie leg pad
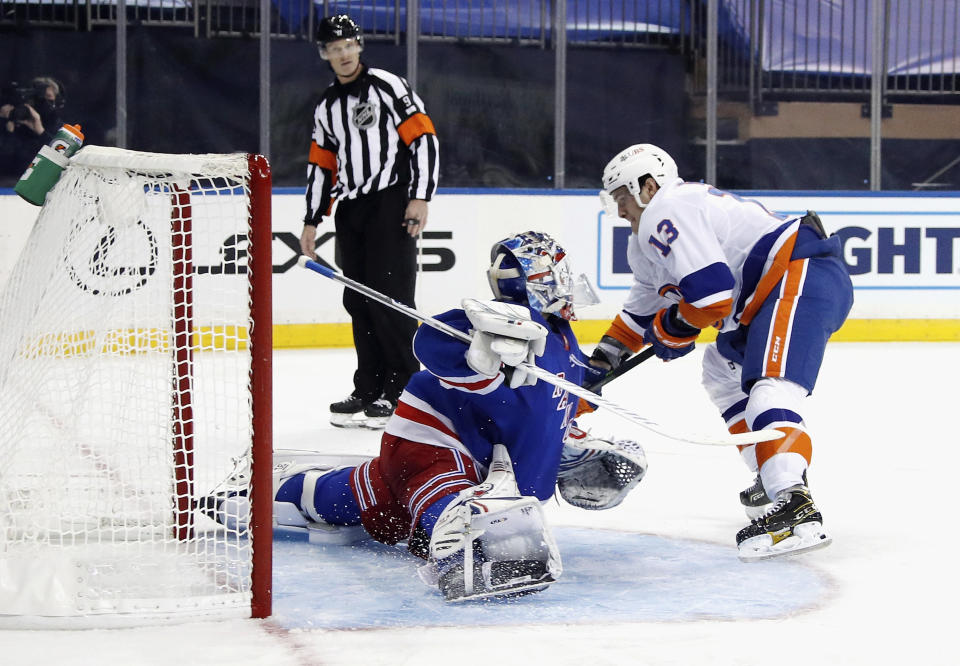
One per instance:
[(489, 578), (493, 548), (493, 542), (228, 505)]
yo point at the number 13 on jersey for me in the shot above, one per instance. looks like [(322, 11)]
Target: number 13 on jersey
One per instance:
[(668, 234)]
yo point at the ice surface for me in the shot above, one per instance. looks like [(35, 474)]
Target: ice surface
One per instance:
[(653, 581), (632, 577)]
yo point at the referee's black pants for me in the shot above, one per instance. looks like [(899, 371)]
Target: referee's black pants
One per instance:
[(375, 249)]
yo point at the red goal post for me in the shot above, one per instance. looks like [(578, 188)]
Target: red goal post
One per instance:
[(135, 371)]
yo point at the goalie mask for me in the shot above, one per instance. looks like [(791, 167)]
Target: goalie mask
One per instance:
[(532, 269), (630, 168)]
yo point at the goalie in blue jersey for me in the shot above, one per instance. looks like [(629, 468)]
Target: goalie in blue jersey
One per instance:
[(476, 442)]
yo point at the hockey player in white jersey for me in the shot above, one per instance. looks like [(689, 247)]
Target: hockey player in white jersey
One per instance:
[(774, 286), (475, 444)]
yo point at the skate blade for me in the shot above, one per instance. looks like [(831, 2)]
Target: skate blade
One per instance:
[(518, 590), (325, 535), (348, 420), (806, 537), (376, 422)]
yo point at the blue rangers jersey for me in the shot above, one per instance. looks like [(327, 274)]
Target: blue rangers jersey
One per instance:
[(450, 405)]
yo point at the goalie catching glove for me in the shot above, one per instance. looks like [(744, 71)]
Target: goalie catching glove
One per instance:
[(597, 473), (503, 334)]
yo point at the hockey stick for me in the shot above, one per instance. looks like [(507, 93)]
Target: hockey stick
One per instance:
[(634, 360), (548, 377), (622, 369)]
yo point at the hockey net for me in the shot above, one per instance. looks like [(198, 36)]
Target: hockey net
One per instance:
[(134, 368)]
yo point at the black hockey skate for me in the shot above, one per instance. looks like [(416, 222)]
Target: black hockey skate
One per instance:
[(755, 495), (793, 524), (227, 503), (754, 499), (349, 412), (378, 412)]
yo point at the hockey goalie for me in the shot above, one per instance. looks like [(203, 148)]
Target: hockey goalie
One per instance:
[(476, 444)]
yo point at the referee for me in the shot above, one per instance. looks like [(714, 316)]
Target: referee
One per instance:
[(376, 152)]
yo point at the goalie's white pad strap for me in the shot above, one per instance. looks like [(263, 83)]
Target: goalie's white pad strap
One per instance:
[(287, 513), (283, 458), (310, 478), (498, 490)]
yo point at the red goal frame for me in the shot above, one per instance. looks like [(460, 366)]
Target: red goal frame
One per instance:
[(259, 275)]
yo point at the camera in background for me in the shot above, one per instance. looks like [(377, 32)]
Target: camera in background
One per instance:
[(36, 95)]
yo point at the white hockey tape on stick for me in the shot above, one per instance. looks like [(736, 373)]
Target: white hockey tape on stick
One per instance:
[(738, 439)]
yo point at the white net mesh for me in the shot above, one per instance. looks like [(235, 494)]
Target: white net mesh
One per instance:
[(125, 390)]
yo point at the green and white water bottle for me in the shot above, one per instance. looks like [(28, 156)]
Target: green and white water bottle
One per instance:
[(45, 169)]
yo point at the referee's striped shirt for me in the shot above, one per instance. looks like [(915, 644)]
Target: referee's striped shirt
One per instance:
[(368, 135)]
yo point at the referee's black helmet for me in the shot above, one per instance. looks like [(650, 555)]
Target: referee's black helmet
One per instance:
[(337, 27)]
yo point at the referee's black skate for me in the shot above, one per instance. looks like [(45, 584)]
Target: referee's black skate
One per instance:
[(793, 524), (378, 412), (348, 413)]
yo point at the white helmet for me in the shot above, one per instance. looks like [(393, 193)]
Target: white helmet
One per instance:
[(629, 169)]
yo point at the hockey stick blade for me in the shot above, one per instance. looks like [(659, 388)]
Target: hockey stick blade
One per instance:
[(545, 375)]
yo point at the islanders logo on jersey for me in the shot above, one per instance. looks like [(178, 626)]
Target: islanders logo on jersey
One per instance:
[(364, 115)]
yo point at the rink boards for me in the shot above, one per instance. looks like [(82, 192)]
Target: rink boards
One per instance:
[(902, 248)]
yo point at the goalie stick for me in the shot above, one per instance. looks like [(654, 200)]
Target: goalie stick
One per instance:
[(738, 439)]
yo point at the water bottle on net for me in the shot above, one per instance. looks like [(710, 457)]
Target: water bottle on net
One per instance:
[(45, 169)]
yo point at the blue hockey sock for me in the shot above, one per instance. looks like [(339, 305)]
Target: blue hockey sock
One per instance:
[(332, 498), (429, 517), (291, 490)]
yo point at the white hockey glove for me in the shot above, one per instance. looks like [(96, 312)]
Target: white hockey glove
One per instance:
[(596, 473), (503, 333)]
